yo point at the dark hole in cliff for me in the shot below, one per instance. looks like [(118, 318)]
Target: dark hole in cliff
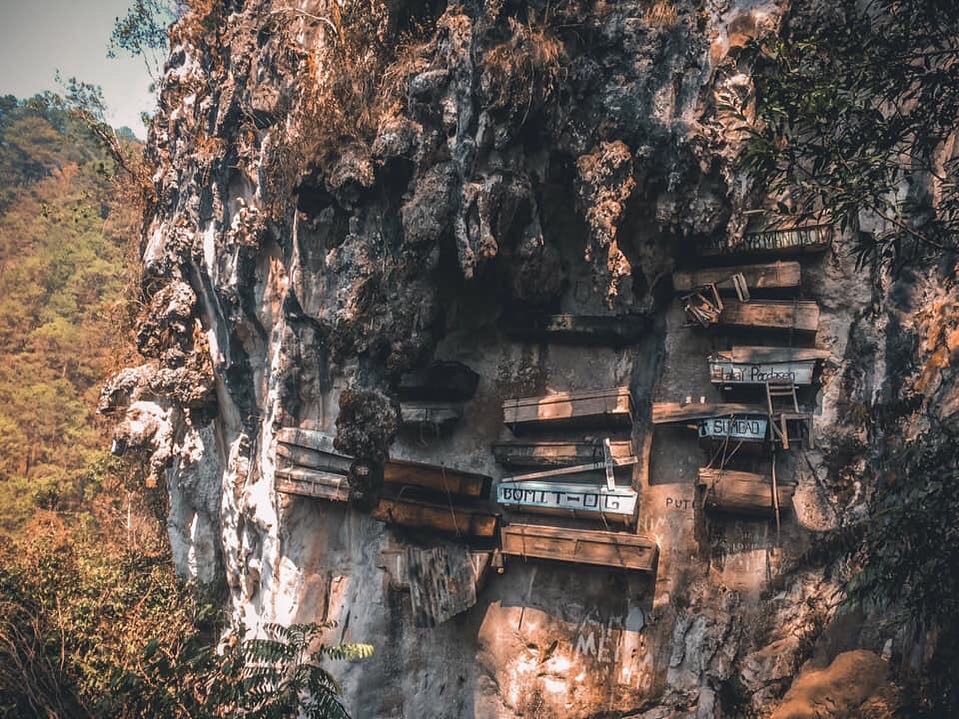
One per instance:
[(408, 17)]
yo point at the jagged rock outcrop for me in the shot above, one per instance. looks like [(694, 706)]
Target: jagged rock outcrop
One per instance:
[(308, 247)]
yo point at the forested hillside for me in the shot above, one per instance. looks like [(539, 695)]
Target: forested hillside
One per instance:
[(64, 233)]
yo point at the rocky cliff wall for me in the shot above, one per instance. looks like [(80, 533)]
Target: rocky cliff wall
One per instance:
[(513, 158)]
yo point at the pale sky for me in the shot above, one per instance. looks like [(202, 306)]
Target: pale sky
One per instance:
[(39, 37)]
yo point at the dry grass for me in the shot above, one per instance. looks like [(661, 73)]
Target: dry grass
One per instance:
[(662, 13)]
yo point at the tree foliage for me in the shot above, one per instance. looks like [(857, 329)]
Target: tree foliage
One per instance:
[(856, 108), (142, 32)]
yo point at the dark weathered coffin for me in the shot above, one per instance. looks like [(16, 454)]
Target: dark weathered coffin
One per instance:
[(675, 412), (609, 407), (452, 519), (758, 365), (742, 492), (436, 478), (772, 240), (294, 455), (799, 316), (614, 330), (556, 454), (312, 483), (720, 421), (430, 415), (620, 550), (441, 381), (775, 275)]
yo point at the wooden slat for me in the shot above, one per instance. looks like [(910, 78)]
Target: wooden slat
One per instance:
[(295, 455), (620, 550), (556, 454), (312, 483), (566, 396), (309, 438), (726, 372), (774, 275), (431, 415), (800, 316), (604, 407), (457, 520), (441, 381), (614, 330), (773, 354), (773, 240), (742, 492), (566, 471), (670, 412), (437, 478)]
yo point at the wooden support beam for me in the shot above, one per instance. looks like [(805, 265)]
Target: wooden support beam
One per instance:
[(613, 330), (742, 492), (774, 275), (619, 550), (795, 315), (603, 407), (556, 454), (437, 478), (675, 412), (452, 519)]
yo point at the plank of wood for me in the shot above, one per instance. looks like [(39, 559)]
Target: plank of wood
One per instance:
[(566, 396), (774, 275), (312, 483), (576, 498), (442, 583), (446, 480), (565, 471), (772, 240), (773, 354), (749, 428), (614, 330), (742, 492), (556, 454), (298, 456), (621, 550), (433, 415), (800, 316), (441, 381), (605, 407), (673, 412), (309, 438), (727, 372), (458, 520)]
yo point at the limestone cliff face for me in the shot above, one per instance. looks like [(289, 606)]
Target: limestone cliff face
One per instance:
[(529, 157)]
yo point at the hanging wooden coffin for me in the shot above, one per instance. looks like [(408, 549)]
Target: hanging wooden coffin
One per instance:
[(758, 365), (600, 407), (620, 550), (775, 275), (312, 483), (578, 499), (311, 449), (556, 454), (435, 416), (794, 315), (613, 330), (749, 428), (742, 492), (444, 480), (770, 239), (458, 520), (441, 381)]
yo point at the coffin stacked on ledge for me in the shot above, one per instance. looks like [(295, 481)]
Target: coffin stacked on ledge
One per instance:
[(776, 422), (432, 398), (308, 465), (577, 478)]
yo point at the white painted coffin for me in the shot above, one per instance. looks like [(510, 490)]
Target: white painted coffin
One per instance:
[(750, 428), (579, 498), (758, 365)]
